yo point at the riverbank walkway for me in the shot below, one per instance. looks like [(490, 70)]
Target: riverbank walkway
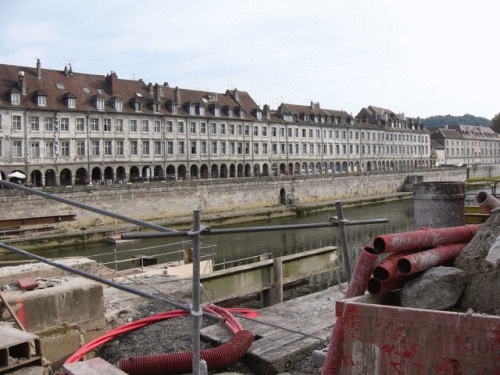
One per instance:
[(285, 332)]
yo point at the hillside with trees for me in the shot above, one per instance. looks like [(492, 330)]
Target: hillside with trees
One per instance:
[(466, 119)]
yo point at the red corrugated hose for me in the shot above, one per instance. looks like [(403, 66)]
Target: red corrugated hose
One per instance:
[(178, 362)]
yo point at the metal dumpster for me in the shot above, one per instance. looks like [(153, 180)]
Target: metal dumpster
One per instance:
[(384, 338)]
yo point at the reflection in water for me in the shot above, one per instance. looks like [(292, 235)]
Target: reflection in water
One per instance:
[(237, 246)]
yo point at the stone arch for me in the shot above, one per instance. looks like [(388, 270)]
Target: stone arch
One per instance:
[(181, 172), (304, 168), (311, 168), (297, 168), (240, 170), (121, 174), (265, 169), (282, 196), (232, 170), (289, 170), (344, 167), (158, 173), (369, 166), (248, 170), (282, 168), (338, 167), (215, 171), (193, 172), (36, 178), (109, 174), (50, 177), (204, 171), (274, 169), (256, 170), (223, 171), (96, 174), (134, 174), (81, 177), (146, 173), (65, 177), (170, 172)]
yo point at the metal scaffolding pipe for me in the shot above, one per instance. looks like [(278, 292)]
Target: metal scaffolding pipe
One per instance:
[(423, 260), (271, 228), (424, 238), (102, 280)]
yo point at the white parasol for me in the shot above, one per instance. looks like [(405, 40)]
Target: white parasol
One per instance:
[(17, 174)]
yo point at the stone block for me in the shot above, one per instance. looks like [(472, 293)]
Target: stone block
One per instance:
[(438, 288)]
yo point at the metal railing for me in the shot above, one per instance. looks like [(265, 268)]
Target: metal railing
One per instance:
[(168, 256), (195, 235)]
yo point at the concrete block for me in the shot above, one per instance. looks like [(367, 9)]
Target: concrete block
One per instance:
[(76, 301), (94, 366), (9, 275), (319, 356)]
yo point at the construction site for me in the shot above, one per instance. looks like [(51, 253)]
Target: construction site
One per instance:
[(419, 302)]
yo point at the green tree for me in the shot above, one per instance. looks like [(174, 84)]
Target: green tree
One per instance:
[(495, 123)]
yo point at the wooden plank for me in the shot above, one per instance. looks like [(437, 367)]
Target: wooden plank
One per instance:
[(275, 348)]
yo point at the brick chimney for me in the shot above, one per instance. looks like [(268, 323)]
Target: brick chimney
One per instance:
[(112, 80), (150, 88), (236, 94), (266, 111), (157, 92), (39, 69)]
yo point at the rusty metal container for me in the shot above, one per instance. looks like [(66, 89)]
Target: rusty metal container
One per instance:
[(383, 338), (439, 204)]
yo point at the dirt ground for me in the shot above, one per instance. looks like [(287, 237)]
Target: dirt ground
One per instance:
[(175, 335)]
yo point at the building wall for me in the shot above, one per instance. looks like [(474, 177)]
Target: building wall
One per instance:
[(168, 200)]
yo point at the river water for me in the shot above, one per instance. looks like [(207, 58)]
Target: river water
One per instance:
[(229, 247)]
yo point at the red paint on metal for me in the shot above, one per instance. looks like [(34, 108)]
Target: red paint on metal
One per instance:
[(424, 239), (409, 264), (362, 272), (417, 341)]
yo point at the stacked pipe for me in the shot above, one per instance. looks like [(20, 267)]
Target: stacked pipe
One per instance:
[(408, 253)]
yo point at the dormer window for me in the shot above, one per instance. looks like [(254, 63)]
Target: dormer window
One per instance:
[(200, 109), (189, 108), (69, 100), (155, 106), (15, 98), (99, 103), (173, 107), (136, 103), (215, 110), (40, 98), (116, 103), (258, 114), (229, 111)]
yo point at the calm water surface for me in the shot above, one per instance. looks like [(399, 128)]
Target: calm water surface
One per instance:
[(237, 246)]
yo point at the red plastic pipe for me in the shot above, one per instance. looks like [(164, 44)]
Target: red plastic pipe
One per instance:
[(172, 363), (423, 260), (362, 272), (388, 268), (376, 286), (424, 238), (487, 201), (357, 286)]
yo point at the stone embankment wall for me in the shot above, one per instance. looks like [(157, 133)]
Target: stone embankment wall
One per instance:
[(173, 199), (483, 170)]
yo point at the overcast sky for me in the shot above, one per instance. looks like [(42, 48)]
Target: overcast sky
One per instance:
[(423, 58)]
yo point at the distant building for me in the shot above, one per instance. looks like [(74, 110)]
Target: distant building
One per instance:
[(466, 145), (59, 127)]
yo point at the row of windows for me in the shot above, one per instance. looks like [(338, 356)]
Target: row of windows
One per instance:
[(215, 129), (195, 148)]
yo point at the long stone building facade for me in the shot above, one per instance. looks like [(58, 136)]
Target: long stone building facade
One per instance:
[(58, 127)]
